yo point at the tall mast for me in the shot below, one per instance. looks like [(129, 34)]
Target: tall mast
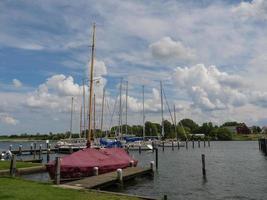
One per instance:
[(126, 109), (94, 118), (120, 112), (162, 119), (81, 121), (71, 110), (174, 113), (102, 112), (91, 89), (144, 128), (84, 116)]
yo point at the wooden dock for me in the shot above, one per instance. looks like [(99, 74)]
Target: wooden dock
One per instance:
[(108, 179)]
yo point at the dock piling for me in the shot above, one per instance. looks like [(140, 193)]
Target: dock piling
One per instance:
[(57, 178), (34, 152), (139, 148), (31, 148), (119, 176), (198, 143), (209, 142), (172, 145), (132, 163), (152, 164), (178, 144), (193, 143), (95, 171), (48, 155), (20, 149), (13, 165), (204, 141), (157, 162), (162, 145), (40, 151), (186, 144), (203, 165)]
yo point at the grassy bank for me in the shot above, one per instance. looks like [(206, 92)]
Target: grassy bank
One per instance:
[(19, 189), (6, 164), (250, 137)]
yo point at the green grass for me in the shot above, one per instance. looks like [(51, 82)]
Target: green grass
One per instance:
[(249, 137), (6, 164), (19, 189)]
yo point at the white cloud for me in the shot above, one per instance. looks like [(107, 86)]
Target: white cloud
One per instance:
[(253, 9), (7, 119), (16, 83), (209, 88), (166, 48)]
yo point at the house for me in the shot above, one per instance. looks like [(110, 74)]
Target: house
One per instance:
[(239, 129)]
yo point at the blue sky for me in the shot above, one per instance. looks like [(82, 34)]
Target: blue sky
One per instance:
[(210, 55)]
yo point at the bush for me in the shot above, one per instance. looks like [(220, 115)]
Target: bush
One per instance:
[(224, 134)]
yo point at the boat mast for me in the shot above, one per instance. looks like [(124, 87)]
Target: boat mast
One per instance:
[(71, 110), (94, 118), (84, 116), (126, 122), (144, 128), (102, 111), (81, 120), (174, 113), (120, 112), (91, 89), (162, 119)]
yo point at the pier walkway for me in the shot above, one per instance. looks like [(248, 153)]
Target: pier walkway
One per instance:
[(108, 179)]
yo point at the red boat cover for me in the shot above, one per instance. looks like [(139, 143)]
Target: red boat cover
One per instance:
[(82, 163)]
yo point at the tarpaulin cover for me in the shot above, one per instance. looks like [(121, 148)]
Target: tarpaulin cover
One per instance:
[(110, 143), (81, 163)]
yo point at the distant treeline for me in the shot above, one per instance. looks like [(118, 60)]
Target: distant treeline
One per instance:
[(185, 129)]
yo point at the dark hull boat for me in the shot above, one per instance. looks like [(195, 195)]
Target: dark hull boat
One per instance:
[(81, 163)]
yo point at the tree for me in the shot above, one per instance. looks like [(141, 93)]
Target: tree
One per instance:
[(231, 123), (224, 134), (151, 129), (189, 123)]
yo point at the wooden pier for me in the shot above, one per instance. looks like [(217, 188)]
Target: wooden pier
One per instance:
[(108, 179)]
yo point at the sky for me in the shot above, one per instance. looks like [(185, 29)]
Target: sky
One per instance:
[(210, 55)]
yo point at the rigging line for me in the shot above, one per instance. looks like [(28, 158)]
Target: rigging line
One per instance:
[(167, 105)]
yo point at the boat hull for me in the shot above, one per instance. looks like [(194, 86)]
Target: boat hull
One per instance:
[(81, 163)]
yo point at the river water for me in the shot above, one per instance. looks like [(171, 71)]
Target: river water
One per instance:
[(235, 170)]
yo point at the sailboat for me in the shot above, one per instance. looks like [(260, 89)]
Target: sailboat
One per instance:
[(81, 163), (71, 144)]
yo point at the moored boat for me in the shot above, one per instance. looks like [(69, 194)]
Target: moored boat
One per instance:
[(81, 164)]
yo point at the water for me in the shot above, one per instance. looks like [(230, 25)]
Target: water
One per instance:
[(235, 170)]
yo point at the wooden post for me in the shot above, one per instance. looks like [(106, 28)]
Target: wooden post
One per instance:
[(209, 142), (162, 145), (31, 148), (193, 143), (203, 165), (132, 163), (139, 148), (157, 163), (198, 143), (265, 148), (57, 177), (172, 145), (204, 142), (119, 176), (165, 197), (186, 144), (12, 170), (152, 164), (40, 151), (47, 144), (47, 154), (20, 149), (10, 147), (95, 171), (178, 144), (34, 153), (153, 146)]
